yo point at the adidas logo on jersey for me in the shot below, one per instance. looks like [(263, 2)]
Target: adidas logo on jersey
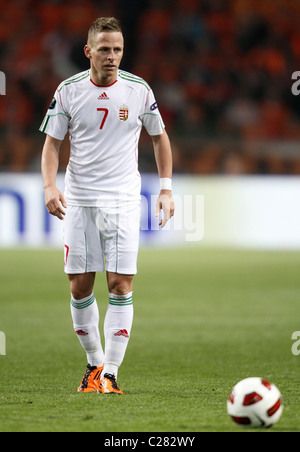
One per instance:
[(103, 96)]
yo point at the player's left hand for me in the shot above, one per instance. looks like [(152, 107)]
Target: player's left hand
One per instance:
[(165, 203)]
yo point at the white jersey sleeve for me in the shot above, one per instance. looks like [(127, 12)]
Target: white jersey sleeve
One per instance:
[(151, 118), (56, 121)]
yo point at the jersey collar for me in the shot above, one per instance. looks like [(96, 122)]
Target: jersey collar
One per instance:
[(103, 86)]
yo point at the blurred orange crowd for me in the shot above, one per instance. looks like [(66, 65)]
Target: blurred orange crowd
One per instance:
[(220, 70)]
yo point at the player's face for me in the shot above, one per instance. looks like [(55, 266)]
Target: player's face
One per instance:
[(105, 52)]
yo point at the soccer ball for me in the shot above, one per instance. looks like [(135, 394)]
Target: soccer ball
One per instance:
[(254, 402)]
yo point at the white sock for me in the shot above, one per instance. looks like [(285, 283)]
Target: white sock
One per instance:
[(117, 328), (85, 315)]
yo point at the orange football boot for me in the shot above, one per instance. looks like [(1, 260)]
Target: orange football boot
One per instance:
[(91, 379), (108, 385)]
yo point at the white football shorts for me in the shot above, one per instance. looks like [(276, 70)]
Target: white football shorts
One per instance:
[(98, 239)]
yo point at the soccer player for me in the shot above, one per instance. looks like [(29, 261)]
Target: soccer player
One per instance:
[(104, 110)]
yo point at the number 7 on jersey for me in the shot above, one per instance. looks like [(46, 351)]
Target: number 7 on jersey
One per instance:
[(104, 116)]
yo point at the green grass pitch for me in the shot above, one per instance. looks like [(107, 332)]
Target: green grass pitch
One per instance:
[(204, 319)]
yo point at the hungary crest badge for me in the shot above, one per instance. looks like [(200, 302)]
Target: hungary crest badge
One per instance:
[(123, 113)]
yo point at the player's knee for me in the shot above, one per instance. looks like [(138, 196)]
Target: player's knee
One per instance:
[(79, 294), (120, 284), (81, 286), (120, 289)]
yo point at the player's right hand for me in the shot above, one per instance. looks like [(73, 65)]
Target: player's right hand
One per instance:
[(165, 203), (55, 202)]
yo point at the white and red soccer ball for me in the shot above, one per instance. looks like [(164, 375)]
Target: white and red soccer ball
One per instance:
[(254, 402)]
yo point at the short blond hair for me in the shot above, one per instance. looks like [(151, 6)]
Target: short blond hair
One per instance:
[(104, 24)]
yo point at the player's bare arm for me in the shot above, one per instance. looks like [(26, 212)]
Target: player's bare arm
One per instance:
[(163, 157), (54, 199)]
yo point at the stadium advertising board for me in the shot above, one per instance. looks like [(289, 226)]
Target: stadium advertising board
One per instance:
[(254, 212)]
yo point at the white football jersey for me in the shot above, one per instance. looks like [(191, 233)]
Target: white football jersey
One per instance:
[(104, 125)]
